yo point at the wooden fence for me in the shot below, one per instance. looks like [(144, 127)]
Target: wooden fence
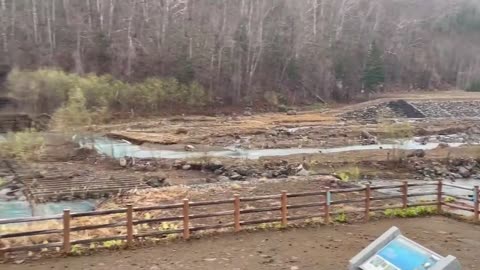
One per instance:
[(322, 208)]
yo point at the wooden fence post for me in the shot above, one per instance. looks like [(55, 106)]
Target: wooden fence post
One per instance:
[(66, 231), (476, 203), (284, 209), (439, 196), (186, 219), (236, 212), (327, 206), (368, 195), (405, 194), (129, 225)]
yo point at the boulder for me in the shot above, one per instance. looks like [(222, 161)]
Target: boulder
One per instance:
[(303, 172), (236, 177), (156, 181), (370, 141), (123, 162), (189, 148), (247, 113), (211, 180), (4, 193), (181, 131), (417, 153), (178, 164), (291, 112), (243, 171), (214, 165), (222, 178), (186, 167), (464, 172), (366, 135), (443, 145)]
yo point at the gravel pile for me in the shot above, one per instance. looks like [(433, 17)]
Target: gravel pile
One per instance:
[(449, 109)]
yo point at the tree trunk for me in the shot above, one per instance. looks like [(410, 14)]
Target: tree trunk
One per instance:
[(35, 21), (4, 18)]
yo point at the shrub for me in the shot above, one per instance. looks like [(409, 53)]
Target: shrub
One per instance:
[(411, 212), (352, 173), (113, 244), (341, 218), (26, 145), (271, 98), (474, 86), (46, 90), (449, 199), (398, 130), (74, 114)]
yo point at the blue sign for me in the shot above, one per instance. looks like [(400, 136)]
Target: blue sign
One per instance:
[(402, 254)]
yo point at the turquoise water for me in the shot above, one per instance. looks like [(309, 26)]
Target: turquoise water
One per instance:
[(119, 149), (20, 209)]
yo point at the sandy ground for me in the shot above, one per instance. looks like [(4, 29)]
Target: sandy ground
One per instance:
[(326, 248)]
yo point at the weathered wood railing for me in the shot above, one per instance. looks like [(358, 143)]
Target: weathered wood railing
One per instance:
[(324, 209)]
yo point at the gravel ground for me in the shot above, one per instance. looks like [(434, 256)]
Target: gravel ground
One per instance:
[(326, 248)]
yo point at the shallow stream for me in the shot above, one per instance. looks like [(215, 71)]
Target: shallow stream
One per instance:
[(21, 209), (121, 148)]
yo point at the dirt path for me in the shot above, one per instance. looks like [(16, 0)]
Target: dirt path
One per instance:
[(310, 248)]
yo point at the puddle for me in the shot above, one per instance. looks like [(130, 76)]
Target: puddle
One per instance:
[(119, 149), (21, 209)]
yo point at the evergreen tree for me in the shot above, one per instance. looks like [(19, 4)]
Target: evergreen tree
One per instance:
[(373, 74)]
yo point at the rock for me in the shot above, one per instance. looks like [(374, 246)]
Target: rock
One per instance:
[(211, 180), (218, 171), (303, 172), (155, 181), (421, 132), (178, 164), (247, 113), (236, 177), (123, 162), (181, 131), (283, 108), (370, 141), (189, 148), (291, 112), (222, 178), (455, 175), (366, 135), (214, 165), (464, 172), (186, 167), (443, 145), (4, 193), (243, 171), (417, 153)]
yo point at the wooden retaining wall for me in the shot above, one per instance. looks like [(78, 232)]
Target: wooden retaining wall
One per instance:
[(322, 207)]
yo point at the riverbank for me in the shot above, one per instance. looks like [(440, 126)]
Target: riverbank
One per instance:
[(371, 142)]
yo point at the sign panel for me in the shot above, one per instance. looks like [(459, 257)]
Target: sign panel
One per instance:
[(393, 251), (402, 254)]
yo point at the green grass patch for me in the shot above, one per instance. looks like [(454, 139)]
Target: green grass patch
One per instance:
[(417, 211)]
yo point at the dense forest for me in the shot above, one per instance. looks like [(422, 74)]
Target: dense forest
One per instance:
[(240, 50)]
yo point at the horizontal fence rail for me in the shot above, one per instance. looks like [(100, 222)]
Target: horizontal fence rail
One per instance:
[(324, 206)]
